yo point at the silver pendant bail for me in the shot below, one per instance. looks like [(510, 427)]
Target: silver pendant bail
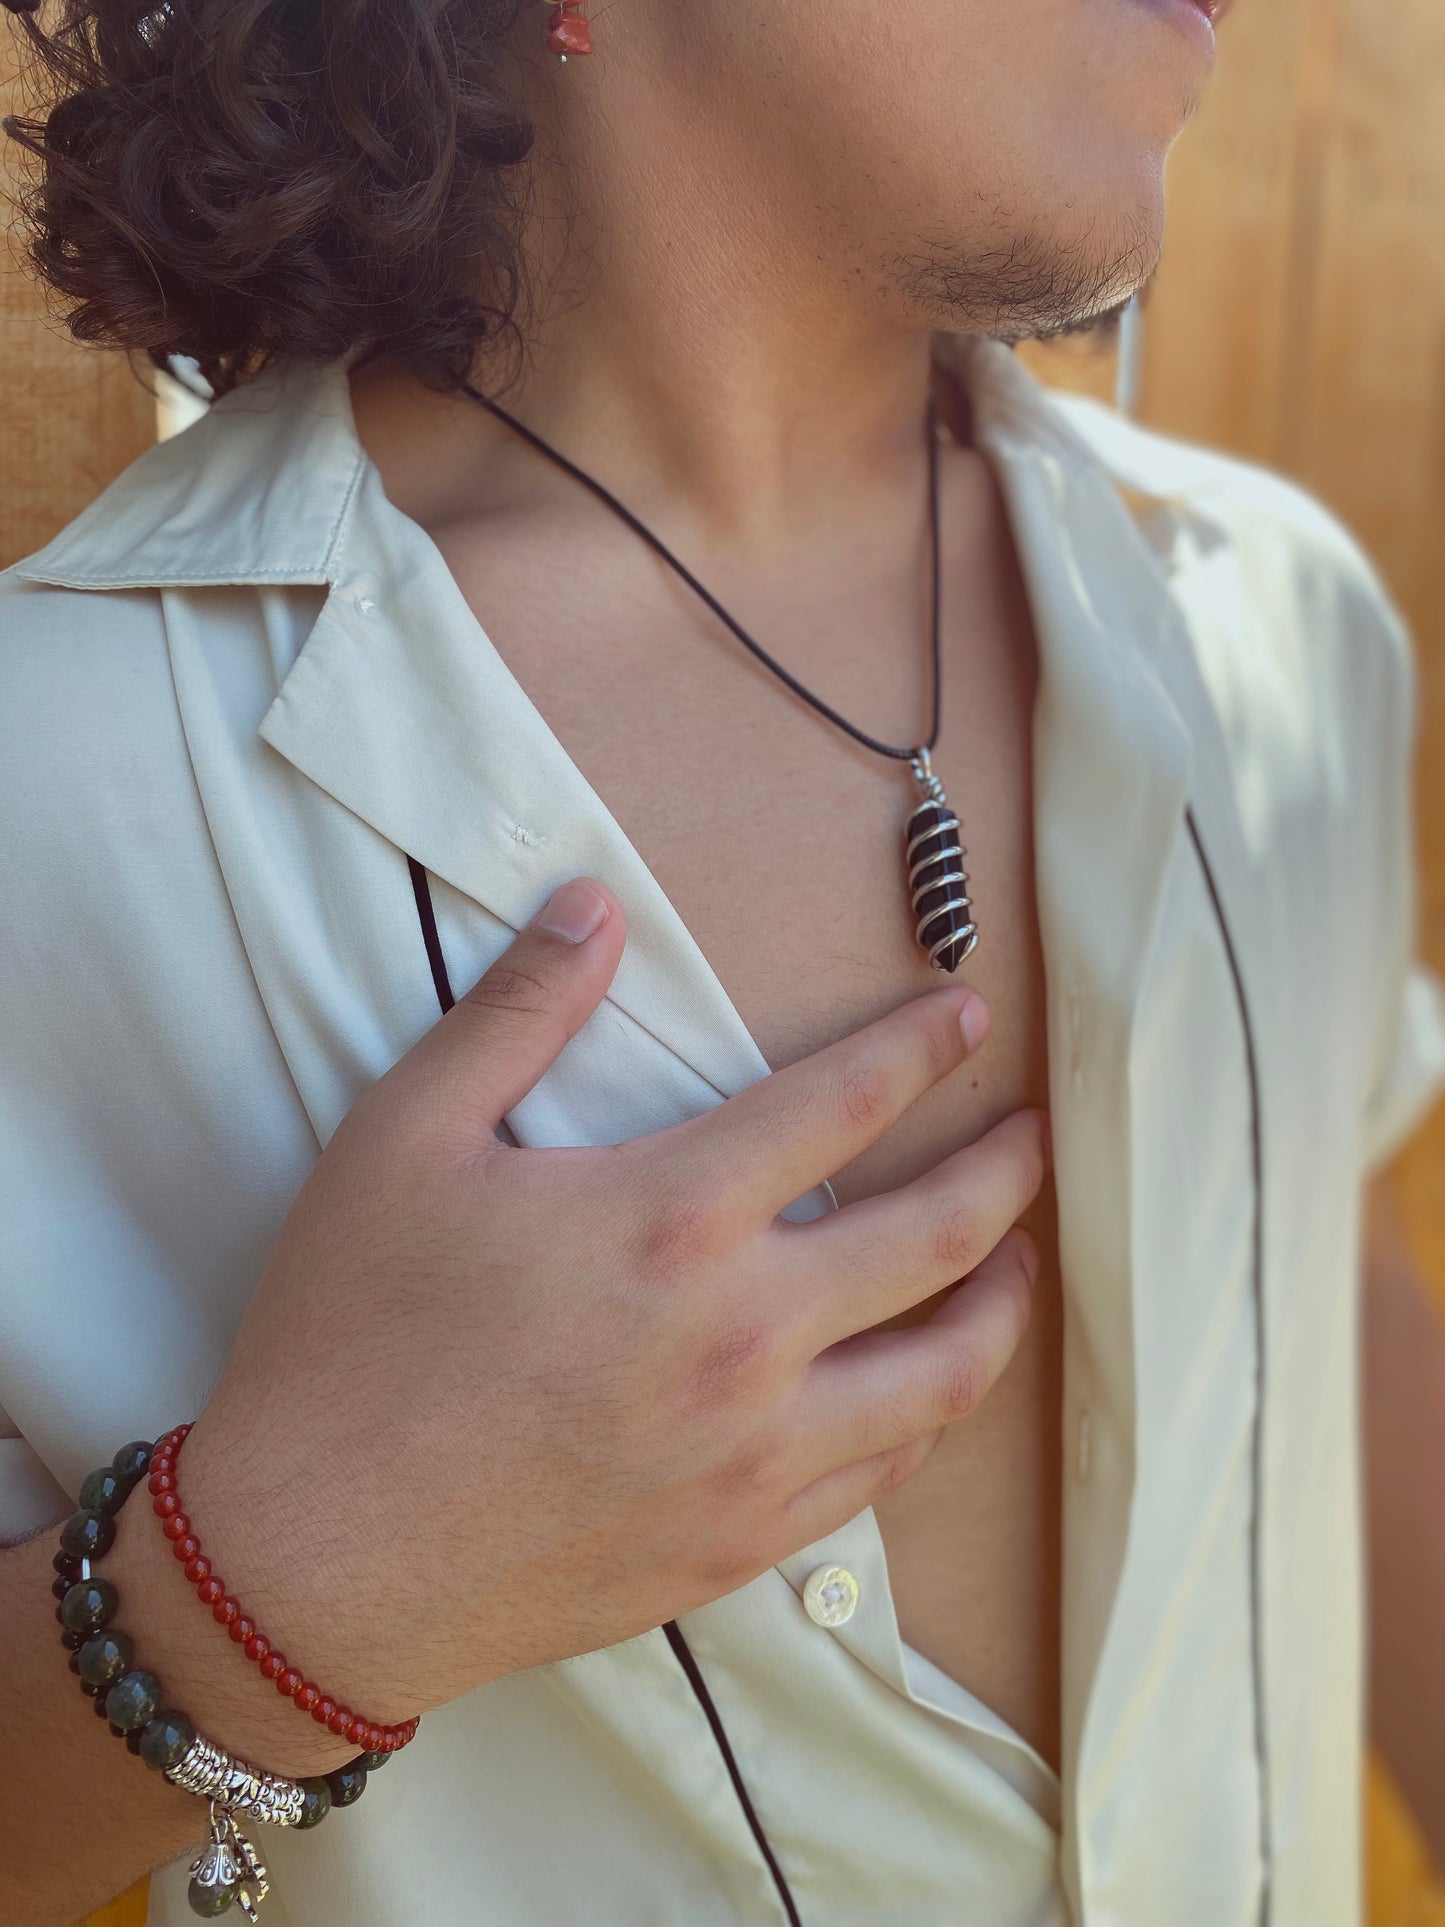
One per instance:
[(921, 763)]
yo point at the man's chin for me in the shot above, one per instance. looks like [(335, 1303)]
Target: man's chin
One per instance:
[(1103, 324), (1032, 288)]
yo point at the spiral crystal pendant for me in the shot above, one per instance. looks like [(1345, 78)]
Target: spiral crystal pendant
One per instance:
[(936, 876)]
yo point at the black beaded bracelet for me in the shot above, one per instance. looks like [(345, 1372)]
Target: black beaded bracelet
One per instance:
[(131, 1699)]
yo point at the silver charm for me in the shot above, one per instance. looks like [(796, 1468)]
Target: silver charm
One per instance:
[(254, 1885), (215, 1872), (227, 1869), (936, 877)]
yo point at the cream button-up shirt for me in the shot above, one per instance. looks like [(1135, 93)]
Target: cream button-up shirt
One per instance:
[(241, 688)]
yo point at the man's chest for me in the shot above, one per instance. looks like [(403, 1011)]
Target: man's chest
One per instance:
[(779, 841)]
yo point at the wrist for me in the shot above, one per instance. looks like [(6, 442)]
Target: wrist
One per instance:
[(146, 1712), (206, 1674)]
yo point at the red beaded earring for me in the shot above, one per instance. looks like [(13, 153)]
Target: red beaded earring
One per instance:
[(567, 30)]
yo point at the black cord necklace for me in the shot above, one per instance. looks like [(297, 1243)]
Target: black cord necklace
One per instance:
[(933, 850)]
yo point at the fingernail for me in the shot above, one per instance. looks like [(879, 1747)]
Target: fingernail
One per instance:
[(974, 1020), (573, 912)]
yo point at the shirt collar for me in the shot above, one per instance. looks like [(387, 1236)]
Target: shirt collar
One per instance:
[(260, 488)]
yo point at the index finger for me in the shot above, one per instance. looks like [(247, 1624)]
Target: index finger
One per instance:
[(795, 1127)]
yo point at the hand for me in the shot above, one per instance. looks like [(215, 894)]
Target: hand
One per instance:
[(495, 1406)]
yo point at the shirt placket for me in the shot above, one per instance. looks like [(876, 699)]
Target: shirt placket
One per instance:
[(1112, 762)]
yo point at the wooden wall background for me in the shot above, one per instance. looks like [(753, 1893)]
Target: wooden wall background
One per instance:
[(1298, 319)]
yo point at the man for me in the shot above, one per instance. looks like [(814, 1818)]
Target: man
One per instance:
[(605, 1400)]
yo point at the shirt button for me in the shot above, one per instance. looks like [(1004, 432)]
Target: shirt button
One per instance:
[(830, 1595)]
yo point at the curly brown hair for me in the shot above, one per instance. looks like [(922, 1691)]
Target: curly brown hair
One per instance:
[(238, 180)]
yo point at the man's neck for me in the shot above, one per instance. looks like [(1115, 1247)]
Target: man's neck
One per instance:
[(699, 352)]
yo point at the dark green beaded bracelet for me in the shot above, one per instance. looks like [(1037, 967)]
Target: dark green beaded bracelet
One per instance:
[(166, 1739), (132, 1462), (129, 1697), (318, 1803), (88, 1605), (106, 1655), (347, 1784), (133, 1701), (88, 1535), (103, 1490)]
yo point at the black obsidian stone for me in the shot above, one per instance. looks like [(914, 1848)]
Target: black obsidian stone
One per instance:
[(347, 1784), (74, 1661), (103, 1490), (371, 1761), (72, 1642), (931, 926), (134, 1700), (317, 1803), (59, 1586), (131, 1461), (167, 1739), (105, 1656), (944, 933), (928, 816), (98, 1703), (88, 1605), (951, 955), (87, 1534), (132, 1742), (67, 1567)]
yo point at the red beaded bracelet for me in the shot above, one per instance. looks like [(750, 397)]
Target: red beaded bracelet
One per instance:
[(372, 1736)]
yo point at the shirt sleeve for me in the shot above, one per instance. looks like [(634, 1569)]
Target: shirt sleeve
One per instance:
[(1414, 1076), (29, 1497), (1409, 1018), (152, 1138)]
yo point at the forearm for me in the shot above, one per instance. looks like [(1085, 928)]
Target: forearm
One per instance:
[(1405, 1485), (81, 1818)]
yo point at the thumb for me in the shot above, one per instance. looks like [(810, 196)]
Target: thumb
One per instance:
[(496, 1041)]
